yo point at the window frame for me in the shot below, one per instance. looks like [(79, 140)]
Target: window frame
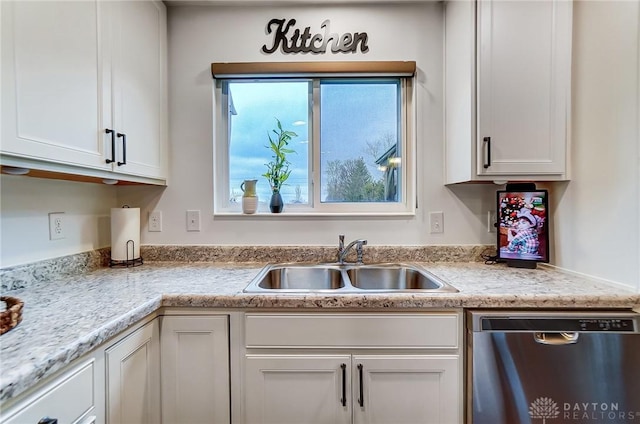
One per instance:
[(315, 207)]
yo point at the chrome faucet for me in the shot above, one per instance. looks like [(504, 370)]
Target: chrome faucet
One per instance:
[(343, 251)]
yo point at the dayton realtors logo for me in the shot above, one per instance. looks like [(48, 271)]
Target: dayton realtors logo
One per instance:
[(597, 412)]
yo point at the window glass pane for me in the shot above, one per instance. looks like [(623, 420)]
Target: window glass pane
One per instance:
[(253, 110), (359, 136)]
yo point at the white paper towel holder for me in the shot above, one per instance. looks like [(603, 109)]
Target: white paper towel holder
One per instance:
[(130, 244)]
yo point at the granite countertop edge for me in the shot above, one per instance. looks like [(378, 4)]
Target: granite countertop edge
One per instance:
[(106, 302)]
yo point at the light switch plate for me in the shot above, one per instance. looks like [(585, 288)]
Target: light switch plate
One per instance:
[(436, 222), (193, 220)]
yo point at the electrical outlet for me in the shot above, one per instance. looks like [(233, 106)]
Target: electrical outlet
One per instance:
[(492, 220), (436, 222), (56, 226), (155, 221), (193, 220)]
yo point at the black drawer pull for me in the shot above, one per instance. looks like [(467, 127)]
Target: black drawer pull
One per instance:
[(113, 146), (361, 398), (124, 149), (487, 142), (47, 420), (343, 399)]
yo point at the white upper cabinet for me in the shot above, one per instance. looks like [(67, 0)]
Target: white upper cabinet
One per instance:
[(73, 70), (510, 118), (52, 82), (138, 45), (524, 75)]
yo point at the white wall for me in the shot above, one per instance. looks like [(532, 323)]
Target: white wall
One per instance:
[(201, 35), (597, 224), (24, 225)]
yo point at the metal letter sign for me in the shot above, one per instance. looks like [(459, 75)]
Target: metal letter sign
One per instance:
[(294, 41)]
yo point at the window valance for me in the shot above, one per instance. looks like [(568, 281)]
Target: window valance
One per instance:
[(313, 69)]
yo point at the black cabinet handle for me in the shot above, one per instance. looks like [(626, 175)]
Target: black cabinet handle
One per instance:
[(361, 398), (113, 145), (124, 149), (487, 142), (343, 399), (47, 420)]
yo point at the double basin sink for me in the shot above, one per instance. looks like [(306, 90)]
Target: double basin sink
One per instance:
[(347, 278)]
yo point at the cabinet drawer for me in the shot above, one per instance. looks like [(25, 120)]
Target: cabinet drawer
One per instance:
[(68, 399), (353, 330)]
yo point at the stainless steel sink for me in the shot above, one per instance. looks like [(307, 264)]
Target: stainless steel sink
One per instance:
[(348, 278), (297, 277), (393, 278)]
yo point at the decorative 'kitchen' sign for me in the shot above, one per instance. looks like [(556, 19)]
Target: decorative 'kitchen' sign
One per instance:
[(304, 42)]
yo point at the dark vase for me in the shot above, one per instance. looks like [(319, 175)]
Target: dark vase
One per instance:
[(276, 204)]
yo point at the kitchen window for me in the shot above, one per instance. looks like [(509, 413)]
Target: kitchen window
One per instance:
[(352, 151)]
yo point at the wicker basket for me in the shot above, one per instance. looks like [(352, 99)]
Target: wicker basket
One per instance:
[(12, 315)]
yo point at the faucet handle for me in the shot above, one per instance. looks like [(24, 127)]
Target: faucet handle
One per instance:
[(340, 246), (359, 251)]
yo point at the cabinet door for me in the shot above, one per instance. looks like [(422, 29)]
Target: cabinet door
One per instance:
[(195, 370), (70, 398), (52, 82), (311, 389), (406, 389), (138, 45), (524, 86), (133, 383)]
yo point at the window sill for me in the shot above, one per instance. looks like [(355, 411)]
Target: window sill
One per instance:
[(285, 214)]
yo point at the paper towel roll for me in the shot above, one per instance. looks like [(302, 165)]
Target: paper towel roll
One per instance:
[(125, 226)]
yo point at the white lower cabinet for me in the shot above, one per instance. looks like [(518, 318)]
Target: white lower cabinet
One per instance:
[(406, 389), (399, 389), (291, 389), (69, 398), (369, 369), (133, 377), (117, 383), (195, 370), (277, 368)]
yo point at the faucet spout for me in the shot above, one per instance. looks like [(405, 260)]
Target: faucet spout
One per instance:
[(344, 250)]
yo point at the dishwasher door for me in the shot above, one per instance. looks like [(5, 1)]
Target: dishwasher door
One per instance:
[(553, 368)]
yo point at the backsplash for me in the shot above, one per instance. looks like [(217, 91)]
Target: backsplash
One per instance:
[(19, 277), (264, 254)]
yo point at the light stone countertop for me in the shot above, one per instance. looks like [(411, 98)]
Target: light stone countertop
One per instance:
[(67, 317)]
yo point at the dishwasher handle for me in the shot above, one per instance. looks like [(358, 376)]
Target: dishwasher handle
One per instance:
[(556, 339)]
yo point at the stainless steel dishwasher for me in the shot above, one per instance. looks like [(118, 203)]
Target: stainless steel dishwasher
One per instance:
[(553, 367)]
